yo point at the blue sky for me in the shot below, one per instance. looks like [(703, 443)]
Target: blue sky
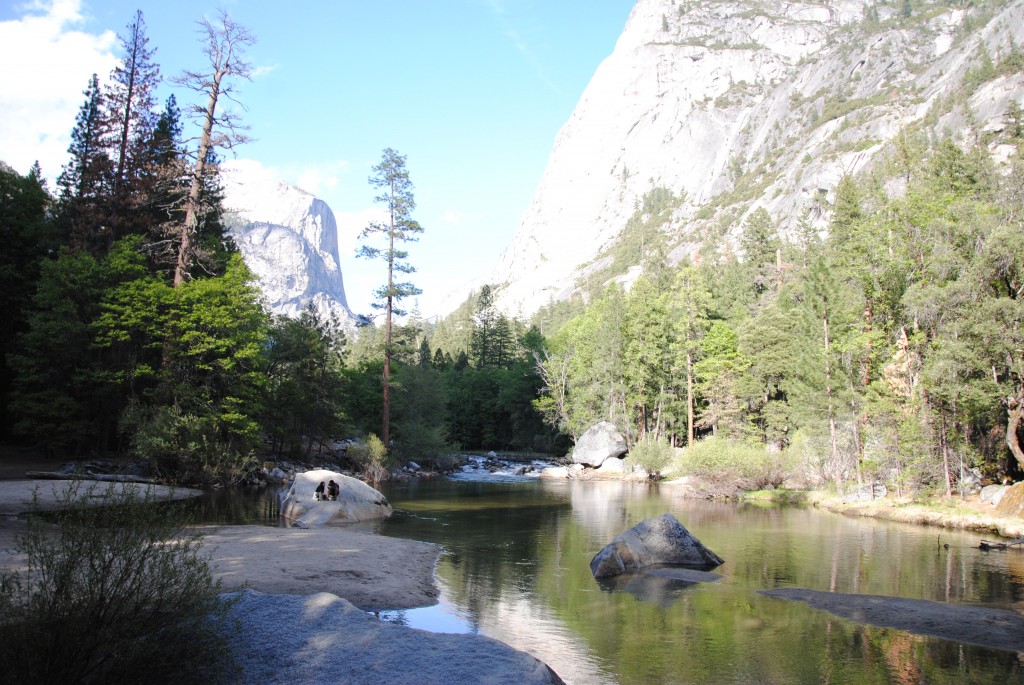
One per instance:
[(473, 92)]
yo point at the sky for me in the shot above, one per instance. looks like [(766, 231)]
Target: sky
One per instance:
[(472, 92)]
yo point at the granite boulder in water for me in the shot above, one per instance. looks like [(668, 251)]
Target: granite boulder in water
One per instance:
[(661, 540)]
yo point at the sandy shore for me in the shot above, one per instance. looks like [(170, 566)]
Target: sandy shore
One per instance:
[(304, 596), (371, 571)]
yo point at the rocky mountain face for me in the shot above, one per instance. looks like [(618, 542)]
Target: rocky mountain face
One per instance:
[(289, 239), (707, 111)]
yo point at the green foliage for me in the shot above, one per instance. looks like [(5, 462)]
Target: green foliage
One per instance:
[(716, 459), (392, 178), (116, 590), (305, 384), (651, 453), (372, 458), (419, 414)]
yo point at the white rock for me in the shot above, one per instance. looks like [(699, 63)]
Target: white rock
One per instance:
[(356, 501), (614, 465), (599, 443), (289, 239), (555, 472)]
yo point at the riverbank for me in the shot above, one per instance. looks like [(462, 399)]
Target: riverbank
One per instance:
[(968, 513), (302, 597)]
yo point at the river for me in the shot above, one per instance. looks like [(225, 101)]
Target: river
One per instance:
[(516, 568)]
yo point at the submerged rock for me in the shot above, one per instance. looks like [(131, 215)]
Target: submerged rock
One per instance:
[(661, 586), (655, 541)]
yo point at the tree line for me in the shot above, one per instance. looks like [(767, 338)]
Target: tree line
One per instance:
[(136, 327), (887, 348)]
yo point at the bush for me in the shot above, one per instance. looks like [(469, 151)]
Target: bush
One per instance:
[(182, 447), (115, 592), (652, 454), (754, 467), (371, 457)]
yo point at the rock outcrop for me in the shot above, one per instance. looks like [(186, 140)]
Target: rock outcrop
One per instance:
[(356, 501), (600, 442), (289, 239), (654, 541), (322, 638), (1012, 501), (708, 111)]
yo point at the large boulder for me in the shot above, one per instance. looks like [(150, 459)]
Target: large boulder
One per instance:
[(356, 501), (658, 540), (601, 441), (1012, 501)]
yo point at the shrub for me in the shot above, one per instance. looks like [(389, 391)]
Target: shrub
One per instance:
[(650, 453), (371, 457), (115, 591), (183, 447), (753, 466)]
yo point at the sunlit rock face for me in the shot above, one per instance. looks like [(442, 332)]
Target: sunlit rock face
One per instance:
[(739, 105), (289, 238)]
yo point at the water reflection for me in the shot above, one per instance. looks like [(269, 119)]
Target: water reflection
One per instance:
[(516, 567)]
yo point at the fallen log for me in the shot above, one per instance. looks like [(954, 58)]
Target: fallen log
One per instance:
[(989, 544)]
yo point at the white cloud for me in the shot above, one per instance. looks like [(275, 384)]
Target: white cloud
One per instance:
[(459, 220), (451, 216), (322, 178), (47, 65)]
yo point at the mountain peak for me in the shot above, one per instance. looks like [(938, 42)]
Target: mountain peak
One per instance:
[(289, 238), (727, 107)]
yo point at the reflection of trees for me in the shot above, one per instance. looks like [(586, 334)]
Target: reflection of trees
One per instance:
[(518, 560)]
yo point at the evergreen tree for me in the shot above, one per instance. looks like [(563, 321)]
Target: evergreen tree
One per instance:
[(85, 182), (28, 237), (305, 383), (689, 309), (130, 103), (760, 243), (718, 372), (646, 356), (166, 176), (485, 317), (392, 177)]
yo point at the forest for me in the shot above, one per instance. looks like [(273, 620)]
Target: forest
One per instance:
[(885, 348), (888, 349), (135, 327)]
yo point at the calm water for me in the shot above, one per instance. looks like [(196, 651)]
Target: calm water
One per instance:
[(516, 568)]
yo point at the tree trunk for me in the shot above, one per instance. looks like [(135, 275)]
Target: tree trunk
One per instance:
[(944, 442), (689, 399), (195, 192), (831, 409), (1015, 414), (386, 413)]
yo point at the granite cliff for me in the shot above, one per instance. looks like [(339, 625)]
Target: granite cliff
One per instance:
[(707, 111), (289, 238)]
